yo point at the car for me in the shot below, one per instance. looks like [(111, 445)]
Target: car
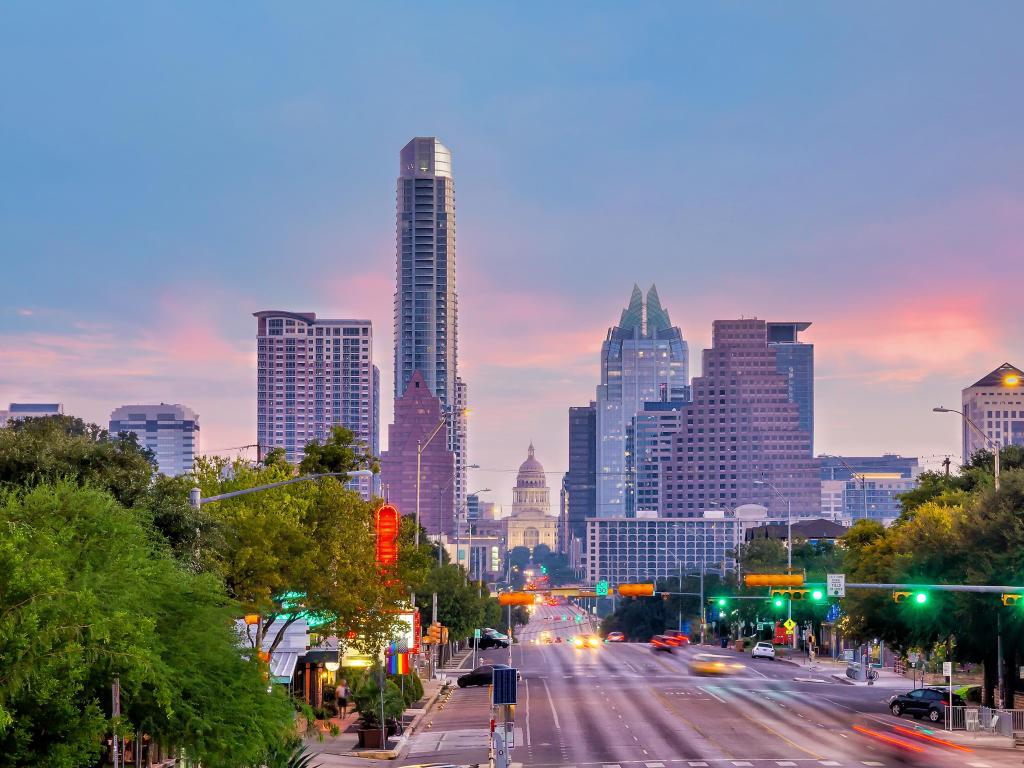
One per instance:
[(661, 643), (480, 676), (615, 637), (713, 664), (586, 641), (681, 638), (492, 638), (763, 650), (923, 702)]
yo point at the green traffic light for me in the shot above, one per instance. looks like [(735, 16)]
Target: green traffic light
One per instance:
[(817, 594), (721, 601), (921, 598), (778, 602)]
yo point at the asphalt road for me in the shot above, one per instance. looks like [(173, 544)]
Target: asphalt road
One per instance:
[(625, 705)]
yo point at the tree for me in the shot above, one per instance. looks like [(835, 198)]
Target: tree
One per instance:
[(540, 554), (341, 453), (51, 448), (85, 597), (519, 557)]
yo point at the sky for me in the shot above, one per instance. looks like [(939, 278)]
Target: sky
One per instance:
[(171, 167)]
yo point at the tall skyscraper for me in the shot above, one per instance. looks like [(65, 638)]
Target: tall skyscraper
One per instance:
[(417, 416), (741, 430), (171, 432), (644, 358), (996, 404), (648, 449), (795, 360), (426, 304), (579, 484), (312, 375)]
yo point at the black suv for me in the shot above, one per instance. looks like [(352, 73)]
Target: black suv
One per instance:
[(923, 702), (492, 638)]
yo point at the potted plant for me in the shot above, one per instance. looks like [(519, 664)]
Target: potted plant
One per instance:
[(369, 700)]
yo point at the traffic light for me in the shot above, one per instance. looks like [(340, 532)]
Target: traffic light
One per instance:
[(797, 595), (774, 579), (1011, 599), (779, 602), (516, 598), (918, 598), (636, 590), (543, 569), (434, 633), (817, 595)]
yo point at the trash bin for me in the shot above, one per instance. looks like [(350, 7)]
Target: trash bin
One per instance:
[(725, 642)]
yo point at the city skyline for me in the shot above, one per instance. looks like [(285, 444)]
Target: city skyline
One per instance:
[(724, 205)]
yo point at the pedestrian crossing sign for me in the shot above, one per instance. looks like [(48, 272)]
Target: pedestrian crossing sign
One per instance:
[(789, 624)]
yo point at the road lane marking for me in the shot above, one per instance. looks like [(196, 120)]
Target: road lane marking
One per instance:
[(551, 703), (712, 694), (781, 763), (654, 765), (526, 685)]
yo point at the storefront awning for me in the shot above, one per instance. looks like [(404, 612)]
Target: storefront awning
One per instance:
[(282, 666)]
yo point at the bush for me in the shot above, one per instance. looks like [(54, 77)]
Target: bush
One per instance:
[(368, 696)]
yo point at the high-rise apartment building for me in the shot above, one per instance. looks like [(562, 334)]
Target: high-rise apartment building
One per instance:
[(996, 404), (171, 432), (426, 303), (30, 411), (416, 427), (741, 433), (313, 374), (644, 358), (579, 484), (795, 360)]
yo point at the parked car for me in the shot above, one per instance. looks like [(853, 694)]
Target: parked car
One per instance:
[(480, 676), (763, 650), (492, 638), (661, 643), (923, 702), (615, 637)]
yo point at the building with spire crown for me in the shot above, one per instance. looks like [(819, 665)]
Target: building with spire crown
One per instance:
[(643, 359), (996, 404)]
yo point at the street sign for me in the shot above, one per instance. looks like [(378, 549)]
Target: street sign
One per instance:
[(947, 668), (510, 735), (789, 624), (601, 588), (476, 634), (501, 756), (503, 690), (913, 656), (836, 585)]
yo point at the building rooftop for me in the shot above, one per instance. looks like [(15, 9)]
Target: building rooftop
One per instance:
[(997, 378)]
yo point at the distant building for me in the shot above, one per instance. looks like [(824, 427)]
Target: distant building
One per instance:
[(794, 359), (426, 311), (313, 374), (170, 431), (579, 484), (741, 433), (866, 486), (30, 411), (472, 506), (648, 448), (996, 404), (531, 523), (814, 531), (417, 416), (623, 550), (643, 358)]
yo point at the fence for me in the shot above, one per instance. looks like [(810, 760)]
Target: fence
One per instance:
[(1004, 722)]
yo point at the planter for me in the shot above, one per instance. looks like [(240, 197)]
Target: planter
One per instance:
[(369, 738)]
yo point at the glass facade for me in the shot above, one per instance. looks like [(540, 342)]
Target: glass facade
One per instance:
[(579, 485), (795, 360), (171, 432)]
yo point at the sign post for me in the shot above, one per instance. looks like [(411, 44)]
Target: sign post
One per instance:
[(476, 642), (947, 670), (836, 586)]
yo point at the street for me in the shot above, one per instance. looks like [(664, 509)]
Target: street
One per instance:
[(625, 705)]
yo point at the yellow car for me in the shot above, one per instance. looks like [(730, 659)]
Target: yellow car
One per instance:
[(586, 641), (713, 664)]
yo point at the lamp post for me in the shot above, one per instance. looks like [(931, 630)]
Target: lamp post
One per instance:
[(469, 527), (990, 442), (789, 538), (420, 447)]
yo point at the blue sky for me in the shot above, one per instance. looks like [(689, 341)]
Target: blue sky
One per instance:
[(172, 167)]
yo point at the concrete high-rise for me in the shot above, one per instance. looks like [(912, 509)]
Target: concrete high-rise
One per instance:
[(643, 359), (417, 416), (312, 375), (742, 427), (171, 432), (996, 404), (30, 411), (795, 360), (426, 303)]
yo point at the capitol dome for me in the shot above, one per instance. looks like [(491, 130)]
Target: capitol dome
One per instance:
[(531, 472)]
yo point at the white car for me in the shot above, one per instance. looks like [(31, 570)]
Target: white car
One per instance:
[(763, 651)]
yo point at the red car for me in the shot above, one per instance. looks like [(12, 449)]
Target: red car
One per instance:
[(615, 637), (676, 637), (662, 643)]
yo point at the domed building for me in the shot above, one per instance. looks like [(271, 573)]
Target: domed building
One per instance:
[(531, 522)]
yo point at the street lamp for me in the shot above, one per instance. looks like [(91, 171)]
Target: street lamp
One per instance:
[(420, 447), (990, 442), (196, 499), (789, 537), (469, 528)]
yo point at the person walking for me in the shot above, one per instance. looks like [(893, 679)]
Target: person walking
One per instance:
[(341, 697)]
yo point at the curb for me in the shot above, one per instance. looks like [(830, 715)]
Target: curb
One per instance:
[(395, 752), (843, 679)]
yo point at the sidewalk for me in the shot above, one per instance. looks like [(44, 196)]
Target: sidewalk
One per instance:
[(837, 670), (341, 751)]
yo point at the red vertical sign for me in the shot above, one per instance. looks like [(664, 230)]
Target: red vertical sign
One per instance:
[(388, 521)]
